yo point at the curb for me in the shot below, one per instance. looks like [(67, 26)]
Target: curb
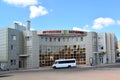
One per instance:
[(23, 70)]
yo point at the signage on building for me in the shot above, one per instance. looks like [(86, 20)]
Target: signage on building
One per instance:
[(76, 32), (64, 32), (52, 32)]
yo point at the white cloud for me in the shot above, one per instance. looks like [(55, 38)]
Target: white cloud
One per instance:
[(37, 11), (101, 22), (80, 29), (19, 23), (23, 3), (32, 29), (118, 22)]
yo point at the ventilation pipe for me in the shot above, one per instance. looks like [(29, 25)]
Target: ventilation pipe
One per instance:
[(28, 25), (15, 25)]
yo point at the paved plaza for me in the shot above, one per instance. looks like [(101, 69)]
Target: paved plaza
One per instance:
[(65, 74), (101, 72)]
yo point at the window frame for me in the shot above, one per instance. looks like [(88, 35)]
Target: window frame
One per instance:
[(13, 37)]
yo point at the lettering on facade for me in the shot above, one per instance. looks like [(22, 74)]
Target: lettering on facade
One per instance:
[(52, 32), (76, 32), (64, 32)]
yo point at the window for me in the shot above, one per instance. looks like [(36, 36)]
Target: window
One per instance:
[(70, 61), (81, 38), (14, 62), (12, 47), (41, 38), (94, 39), (50, 39), (46, 39), (11, 62), (63, 39), (100, 39), (71, 39), (54, 39), (29, 38), (68, 39), (100, 47), (55, 62), (76, 38), (13, 37), (58, 39)]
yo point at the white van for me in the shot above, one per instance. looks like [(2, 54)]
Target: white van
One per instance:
[(61, 63)]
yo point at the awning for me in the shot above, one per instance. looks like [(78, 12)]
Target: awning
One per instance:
[(24, 55)]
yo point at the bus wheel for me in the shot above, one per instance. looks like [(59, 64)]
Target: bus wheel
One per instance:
[(54, 67), (69, 66)]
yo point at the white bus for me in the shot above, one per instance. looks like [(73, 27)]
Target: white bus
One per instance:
[(61, 63)]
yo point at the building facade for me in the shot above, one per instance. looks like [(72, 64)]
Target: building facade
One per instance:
[(19, 47), (86, 47), (118, 53), (107, 47), (10, 47), (22, 48)]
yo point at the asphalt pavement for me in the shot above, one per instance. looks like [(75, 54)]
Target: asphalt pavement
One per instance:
[(79, 68)]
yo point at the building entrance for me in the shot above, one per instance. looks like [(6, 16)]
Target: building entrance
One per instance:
[(22, 62)]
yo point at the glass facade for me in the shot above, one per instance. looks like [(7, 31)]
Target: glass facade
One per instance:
[(48, 54)]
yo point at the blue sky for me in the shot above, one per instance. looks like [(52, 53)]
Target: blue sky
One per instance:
[(88, 15)]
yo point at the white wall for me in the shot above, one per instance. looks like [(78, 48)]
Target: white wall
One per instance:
[(3, 45), (32, 49)]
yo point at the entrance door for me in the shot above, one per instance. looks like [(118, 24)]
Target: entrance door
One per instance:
[(22, 63)]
